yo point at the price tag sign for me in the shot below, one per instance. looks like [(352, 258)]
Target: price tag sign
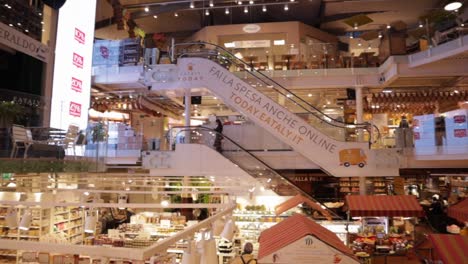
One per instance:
[(165, 223), (113, 233)]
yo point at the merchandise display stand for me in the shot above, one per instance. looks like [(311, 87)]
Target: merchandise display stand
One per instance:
[(69, 221)]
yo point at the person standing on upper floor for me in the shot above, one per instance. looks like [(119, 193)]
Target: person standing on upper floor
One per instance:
[(218, 136)]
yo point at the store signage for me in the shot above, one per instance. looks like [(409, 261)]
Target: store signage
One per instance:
[(23, 43), (72, 67), (458, 119), (75, 109), (244, 44), (459, 133), (76, 85), (307, 179), (251, 28), (78, 60), (80, 36)]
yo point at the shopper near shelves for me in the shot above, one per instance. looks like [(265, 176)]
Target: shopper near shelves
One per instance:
[(218, 136), (404, 122), (246, 257)]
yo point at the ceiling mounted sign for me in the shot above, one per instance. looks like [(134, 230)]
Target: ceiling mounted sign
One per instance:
[(251, 28)]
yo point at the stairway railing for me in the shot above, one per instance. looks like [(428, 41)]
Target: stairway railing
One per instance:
[(319, 120), (246, 160)]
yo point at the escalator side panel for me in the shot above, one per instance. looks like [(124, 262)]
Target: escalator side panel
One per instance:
[(336, 158)]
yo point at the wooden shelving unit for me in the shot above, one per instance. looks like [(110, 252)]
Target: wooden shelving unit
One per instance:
[(39, 226), (70, 221), (349, 185)]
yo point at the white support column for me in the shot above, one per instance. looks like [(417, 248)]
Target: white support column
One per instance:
[(48, 74), (362, 186), (360, 119), (188, 106), (359, 109)]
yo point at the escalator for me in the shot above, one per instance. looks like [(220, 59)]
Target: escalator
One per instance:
[(266, 176), (317, 136)]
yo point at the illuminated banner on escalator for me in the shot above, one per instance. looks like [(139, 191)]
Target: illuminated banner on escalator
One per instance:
[(73, 57)]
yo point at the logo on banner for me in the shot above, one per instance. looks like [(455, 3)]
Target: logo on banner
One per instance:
[(80, 36), (78, 60), (459, 133), (417, 136), (459, 119), (190, 74), (75, 109), (76, 85)]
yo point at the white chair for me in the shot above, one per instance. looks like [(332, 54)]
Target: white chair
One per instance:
[(20, 139), (69, 141)]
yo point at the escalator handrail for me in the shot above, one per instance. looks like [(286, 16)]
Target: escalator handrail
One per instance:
[(358, 125), (192, 128)]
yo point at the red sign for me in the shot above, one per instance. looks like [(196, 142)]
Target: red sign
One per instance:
[(80, 36), (417, 135), (78, 60), (459, 133), (75, 109), (76, 85), (459, 119)]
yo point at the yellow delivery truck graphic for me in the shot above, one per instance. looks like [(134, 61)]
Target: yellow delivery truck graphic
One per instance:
[(354, 156)]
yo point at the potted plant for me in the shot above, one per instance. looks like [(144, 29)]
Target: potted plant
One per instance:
[(10, 113)]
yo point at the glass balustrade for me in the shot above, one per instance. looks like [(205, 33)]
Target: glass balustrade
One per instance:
[(332, 126), (268, 177)]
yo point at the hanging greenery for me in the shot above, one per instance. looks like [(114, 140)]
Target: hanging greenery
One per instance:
[(42, 165), (10, 113)]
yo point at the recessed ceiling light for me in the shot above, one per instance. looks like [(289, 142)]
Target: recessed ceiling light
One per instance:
[(453, 6)]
